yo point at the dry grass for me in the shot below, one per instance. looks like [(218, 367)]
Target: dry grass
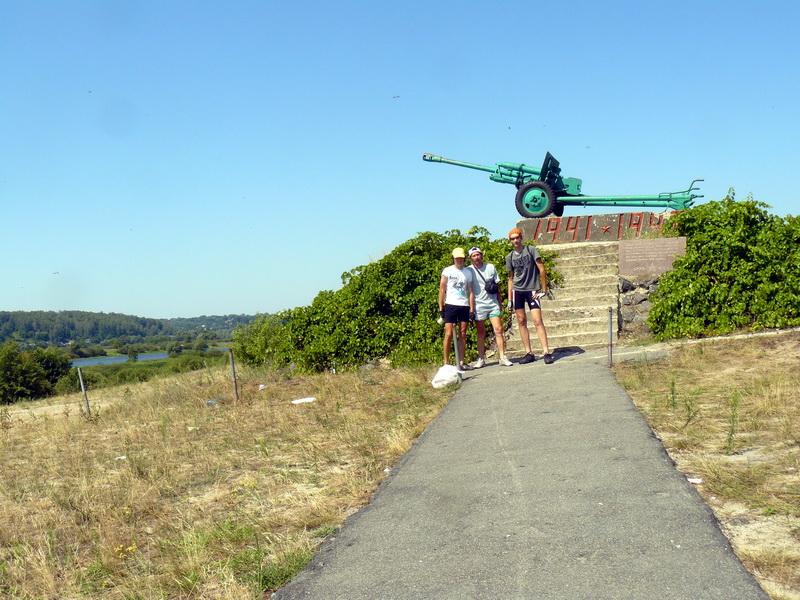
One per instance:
[(728, 412), (164, 496)]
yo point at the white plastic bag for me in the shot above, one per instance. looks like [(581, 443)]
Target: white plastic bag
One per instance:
[(446, 375), (304, 400)]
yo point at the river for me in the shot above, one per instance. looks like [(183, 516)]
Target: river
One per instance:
[(112, 360)]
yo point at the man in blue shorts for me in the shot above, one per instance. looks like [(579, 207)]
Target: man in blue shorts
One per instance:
[(456, 304), (527, 282), (487, 306)]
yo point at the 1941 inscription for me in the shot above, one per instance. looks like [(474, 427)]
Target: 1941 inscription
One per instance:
[(591, 228)]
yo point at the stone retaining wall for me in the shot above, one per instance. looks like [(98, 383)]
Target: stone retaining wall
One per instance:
[(634, 305)]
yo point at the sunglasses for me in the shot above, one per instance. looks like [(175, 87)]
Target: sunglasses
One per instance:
[(514, 237)]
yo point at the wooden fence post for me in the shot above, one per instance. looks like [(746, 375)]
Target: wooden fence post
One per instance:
[(86, 410), (233, 376)]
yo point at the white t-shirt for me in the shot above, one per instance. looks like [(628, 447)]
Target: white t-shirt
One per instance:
[(457, 282), (483, 299)]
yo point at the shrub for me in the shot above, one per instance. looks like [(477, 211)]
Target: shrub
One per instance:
[(741, 270), (29, 374), (387, 308)]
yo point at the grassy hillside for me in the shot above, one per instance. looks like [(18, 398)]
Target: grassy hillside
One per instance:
[(728, 412), (166, 494)]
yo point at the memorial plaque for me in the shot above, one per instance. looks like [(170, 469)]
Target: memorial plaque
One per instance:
[(644, 258), (591, 228)]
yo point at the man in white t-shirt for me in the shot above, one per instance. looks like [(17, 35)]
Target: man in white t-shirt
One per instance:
[(456, 304), (487, 306)]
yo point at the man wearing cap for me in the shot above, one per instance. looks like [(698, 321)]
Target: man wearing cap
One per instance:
[(487, 306), (527, 282), (456, 304)]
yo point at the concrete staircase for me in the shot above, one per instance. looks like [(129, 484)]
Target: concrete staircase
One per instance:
[(579, 314)]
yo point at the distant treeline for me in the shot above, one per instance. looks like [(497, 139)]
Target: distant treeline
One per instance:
[(42, 328), (222, 325)]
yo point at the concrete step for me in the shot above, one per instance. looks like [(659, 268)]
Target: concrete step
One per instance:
[(610, 258), (582, 325), (556, 315), (572, 326), (579, 280), (582, 249), (595, 294), (587, 341), (577, 270)]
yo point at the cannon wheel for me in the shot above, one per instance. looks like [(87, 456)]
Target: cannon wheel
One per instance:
[(535, 199)]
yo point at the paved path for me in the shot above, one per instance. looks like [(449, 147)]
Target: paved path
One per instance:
[(536, 481)]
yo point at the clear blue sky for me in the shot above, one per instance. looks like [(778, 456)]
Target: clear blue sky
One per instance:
[(165, 158)]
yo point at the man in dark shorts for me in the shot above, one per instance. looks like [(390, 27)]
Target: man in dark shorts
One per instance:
[(456, 304), (527, 283)]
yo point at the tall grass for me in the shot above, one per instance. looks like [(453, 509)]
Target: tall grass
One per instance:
[(729, 413), (177, 491)]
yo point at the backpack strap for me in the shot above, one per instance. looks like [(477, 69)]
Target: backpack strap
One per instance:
[(478, 271)]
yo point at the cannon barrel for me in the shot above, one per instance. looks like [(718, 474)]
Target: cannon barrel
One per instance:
[(434, 158), (521, 167)]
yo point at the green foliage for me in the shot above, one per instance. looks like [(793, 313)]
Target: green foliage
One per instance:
[(741, 270), (200, 344), (29, 374), (387, 308), (273, 575), (81, 350)]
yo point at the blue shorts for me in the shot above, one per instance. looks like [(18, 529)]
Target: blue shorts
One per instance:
[(481, 314), (521, 299)]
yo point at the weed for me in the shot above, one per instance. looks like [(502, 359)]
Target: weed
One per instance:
[(95, 577), (324, 531), (692, 408), (6, 420), (279, 571), (188, 580), (733, 421)]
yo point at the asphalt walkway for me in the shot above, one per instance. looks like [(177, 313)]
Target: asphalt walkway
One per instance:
[(536, 481)]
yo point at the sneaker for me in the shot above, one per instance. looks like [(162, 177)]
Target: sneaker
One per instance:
[(464, 367), (479, 364), (505, 362), (548, 359), (528, 358)]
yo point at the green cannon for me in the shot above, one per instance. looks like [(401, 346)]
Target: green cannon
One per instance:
[(541, 191)]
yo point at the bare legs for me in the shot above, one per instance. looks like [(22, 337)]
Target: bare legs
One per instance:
[(448, 339), (541, 332), (497, 326)]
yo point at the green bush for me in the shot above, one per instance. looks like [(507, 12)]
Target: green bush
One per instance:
[(29, 374), (741, 270), (387, 308)]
